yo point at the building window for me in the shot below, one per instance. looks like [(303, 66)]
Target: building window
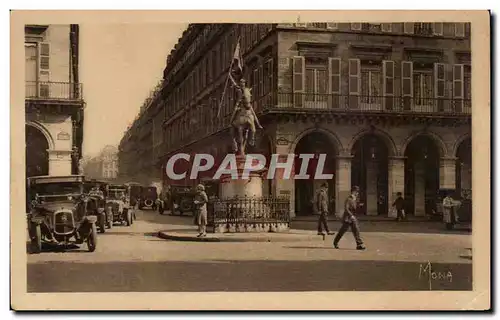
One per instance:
[(316, 82), (467, 82), (460, 30), (423, 29), (422, 86), (371, 86), (31, 62)]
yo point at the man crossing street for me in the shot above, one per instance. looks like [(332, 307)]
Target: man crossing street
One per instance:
[(349, 220)]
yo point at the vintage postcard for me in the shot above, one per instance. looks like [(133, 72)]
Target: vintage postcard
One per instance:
[(250, 160)]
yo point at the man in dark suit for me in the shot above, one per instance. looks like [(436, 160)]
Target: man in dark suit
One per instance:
[(321, 204), (349, 220), (399, 204)]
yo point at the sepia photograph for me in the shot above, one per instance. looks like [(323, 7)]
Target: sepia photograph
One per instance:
[(225, 161)]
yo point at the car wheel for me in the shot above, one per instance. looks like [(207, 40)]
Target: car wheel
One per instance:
[(92, 238), (102, 224), (129, 218), (36, 240)]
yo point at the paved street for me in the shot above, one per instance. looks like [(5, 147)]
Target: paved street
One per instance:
[(134, 259)]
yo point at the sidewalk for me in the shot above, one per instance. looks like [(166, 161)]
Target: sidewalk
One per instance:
[(362, 218), (292, 235)]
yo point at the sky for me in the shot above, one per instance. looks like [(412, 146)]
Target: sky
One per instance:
[(119, 65)]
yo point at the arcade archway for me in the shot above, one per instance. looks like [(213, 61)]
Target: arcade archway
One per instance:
[(421, 175), (37, 157), (265, 148), (370, 172), (315, 143)]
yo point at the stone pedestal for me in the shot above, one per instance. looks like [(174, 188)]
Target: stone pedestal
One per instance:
[(245, 207)]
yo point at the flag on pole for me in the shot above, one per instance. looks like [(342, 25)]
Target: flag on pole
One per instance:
[(236, 70)]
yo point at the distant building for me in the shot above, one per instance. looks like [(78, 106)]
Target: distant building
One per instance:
[(142, 143), (104, 166), (389, 103), (53, 100)]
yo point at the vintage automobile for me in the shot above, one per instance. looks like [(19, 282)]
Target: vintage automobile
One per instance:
[(181, 200), (148, 198), (97, 193), (135, 191), (162, 203), (118, 204), (461, 213), (59, 212)]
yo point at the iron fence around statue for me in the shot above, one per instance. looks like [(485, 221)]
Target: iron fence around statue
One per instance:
[(249, 214)]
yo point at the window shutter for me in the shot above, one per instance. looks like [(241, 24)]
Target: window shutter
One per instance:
[(354, 82), (388, 84), (460, 29), (298, 82), (43, 69), (334, 68), (386, 27), (437, 28), (333, 26), (458, 86), (440, 85), (409, 27), (407, 84), (356, 26)]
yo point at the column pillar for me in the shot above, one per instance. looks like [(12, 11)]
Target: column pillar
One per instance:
[(343, 182), (59, 162), (371, 188), (447, 173), (419, 198), (465, 176), (396, 181)]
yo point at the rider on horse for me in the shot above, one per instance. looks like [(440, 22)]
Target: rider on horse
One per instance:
[(243, 119)]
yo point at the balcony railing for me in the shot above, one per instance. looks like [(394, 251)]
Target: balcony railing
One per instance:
[(53, 90), (368, 104)]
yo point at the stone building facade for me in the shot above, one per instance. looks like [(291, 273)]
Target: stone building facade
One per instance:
[(54, 102), (104, 166), (141, 144), (390, 105)]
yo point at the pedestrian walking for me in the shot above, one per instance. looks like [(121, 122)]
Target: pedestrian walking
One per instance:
[(200, 202), (399, 206), (349, 220), (321, 205)]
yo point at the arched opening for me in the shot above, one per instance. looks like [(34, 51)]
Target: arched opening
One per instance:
[(464, 168), (370, 172), (315, 143), (421, 175), (37, 157), (265, 148)]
